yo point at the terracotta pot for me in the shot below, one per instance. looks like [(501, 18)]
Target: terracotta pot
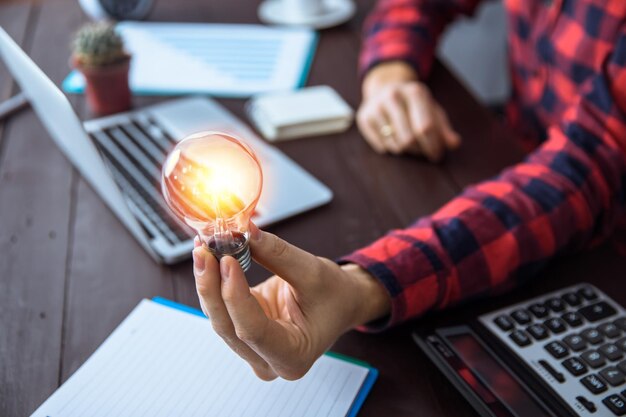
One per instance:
[(106, 87)]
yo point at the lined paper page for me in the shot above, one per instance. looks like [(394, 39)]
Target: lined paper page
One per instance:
[(165, 362)]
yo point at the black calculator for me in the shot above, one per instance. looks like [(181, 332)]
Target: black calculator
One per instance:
[(559, 354)]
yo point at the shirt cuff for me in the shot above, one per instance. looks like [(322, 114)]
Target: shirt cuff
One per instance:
[(420, 60), (410, 268)]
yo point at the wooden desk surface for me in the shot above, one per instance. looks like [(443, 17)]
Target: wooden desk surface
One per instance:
[(69, 271)]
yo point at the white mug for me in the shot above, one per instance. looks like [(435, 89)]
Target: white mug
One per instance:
[(302, 8)]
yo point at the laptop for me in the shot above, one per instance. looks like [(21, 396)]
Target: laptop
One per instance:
[(120, 156)]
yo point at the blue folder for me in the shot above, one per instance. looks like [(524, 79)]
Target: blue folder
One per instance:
[(365, 388)]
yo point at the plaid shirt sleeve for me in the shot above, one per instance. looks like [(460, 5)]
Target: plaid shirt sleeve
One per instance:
[(407, 30), (567, 195)]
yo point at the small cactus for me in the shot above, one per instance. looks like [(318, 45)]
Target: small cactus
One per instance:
[(98, 45)]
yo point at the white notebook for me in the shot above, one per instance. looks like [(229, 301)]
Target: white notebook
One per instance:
[(311, 111), (162, 361)]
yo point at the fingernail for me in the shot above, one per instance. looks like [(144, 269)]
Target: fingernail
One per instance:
[(224, 268), (255, 233), (196, 242), (198, 261)]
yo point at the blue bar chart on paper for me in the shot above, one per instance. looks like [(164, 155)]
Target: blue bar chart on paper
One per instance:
[(223, 60)]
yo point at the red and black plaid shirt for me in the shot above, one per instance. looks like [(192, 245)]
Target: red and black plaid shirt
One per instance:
[(568, 63)]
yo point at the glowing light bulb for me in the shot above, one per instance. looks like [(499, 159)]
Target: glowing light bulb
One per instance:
[(212, 182)]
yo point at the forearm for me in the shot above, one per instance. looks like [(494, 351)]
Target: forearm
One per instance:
[(385, 74), (502, 231), (370, 297)]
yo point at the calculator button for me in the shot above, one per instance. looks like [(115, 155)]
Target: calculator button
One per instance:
[(538, 331), (521, 316), (555, 304), (573, 319), (575, 366), (593, 358), (555, 325), (622, 366), (621, 323), (572, 299), (587, 293), (539, 310), (616, 404), (594, 383), (504, 322), (593, 336), (557, 349), (621, 343), (613, 376), (591, 407), (611, 351), (610, 330), (597, 311), (556, 374), (575, 342), (520, 338)]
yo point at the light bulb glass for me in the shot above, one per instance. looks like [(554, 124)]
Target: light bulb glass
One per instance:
[(212, 182)]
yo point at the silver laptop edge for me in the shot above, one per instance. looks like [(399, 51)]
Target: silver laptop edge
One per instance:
[(52, 106)]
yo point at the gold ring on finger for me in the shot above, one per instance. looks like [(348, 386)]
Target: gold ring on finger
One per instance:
[(386, 131)]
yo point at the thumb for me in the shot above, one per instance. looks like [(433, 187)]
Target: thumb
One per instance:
[(451, 138), (281, 258), (245, 311), (271, 340)]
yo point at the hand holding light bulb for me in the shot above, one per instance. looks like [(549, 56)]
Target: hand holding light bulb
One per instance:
[(280, 327)]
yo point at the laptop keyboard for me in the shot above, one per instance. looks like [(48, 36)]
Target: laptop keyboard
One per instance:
[(135, 151), (575, 340)]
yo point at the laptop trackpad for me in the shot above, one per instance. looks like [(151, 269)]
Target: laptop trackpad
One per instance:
[(186, 116)]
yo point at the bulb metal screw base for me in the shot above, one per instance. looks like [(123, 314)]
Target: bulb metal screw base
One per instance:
[(244, 257), (241, 254)]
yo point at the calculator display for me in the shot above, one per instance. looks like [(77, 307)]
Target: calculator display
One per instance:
[(490, 380)]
